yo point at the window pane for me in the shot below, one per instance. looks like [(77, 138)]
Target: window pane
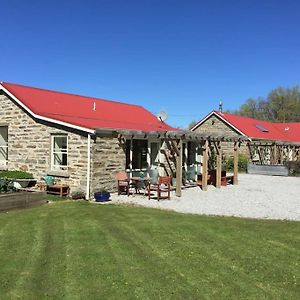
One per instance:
[(3, 143), (3, 153), (139, 154), (3, 135), (154, 154), (60, 143), (128, 143), (191, 153)]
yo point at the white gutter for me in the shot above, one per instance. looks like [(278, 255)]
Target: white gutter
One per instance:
[(88, 169)]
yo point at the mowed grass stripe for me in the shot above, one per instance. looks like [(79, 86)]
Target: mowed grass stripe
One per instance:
[(183, 251), (44, 259), (80, 250), (91, 262)]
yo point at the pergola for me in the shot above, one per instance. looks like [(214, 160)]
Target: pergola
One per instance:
[(274, 152), (175, 139)]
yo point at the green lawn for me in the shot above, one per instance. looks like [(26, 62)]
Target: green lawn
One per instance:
[(84, 251)]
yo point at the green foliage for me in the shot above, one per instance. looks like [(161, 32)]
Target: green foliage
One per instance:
[(243, 163), (281, 105), (80, 250), (16, 175), (192, 124), (294, 168), (6, 186)]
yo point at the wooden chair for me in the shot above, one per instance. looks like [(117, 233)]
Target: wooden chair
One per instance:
[(123, 182), (162, 186)]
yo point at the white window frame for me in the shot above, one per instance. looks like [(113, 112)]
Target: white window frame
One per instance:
[(3, 162), (59, 167)]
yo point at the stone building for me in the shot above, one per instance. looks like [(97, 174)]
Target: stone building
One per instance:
[(74, 138), (269, 143)]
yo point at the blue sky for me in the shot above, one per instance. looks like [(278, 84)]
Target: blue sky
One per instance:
[(178, 56)]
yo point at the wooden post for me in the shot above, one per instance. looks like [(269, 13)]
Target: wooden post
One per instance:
[(204, 166), (294, 153), (219, 165), (235, 163), (250, 151), (259, 154), (179, 169), (275, 155), (281, 154)]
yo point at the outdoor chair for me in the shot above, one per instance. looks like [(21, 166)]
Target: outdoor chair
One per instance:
[(162, 186), (123, 183)]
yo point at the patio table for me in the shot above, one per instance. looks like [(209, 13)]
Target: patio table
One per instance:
[(136, 180)]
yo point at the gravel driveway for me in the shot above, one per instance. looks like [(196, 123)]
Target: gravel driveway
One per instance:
[(256, 196)]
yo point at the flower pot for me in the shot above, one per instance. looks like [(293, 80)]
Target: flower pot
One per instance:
[(25, 183), (102, 196)]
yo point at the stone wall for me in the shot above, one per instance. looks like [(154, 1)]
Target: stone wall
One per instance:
[(215, 125), (29, 145), (108, 158)]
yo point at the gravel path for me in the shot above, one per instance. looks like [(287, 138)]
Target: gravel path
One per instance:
[(256, 196)]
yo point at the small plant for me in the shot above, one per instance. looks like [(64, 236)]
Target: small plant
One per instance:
[(78, 194), (294, 168), (16, 174), (6, 186), (242, 164)]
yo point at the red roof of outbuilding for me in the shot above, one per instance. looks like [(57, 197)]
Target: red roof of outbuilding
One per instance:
[(86, 112), (251, 127)]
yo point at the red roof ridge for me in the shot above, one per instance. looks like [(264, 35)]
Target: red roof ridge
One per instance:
[(244, 117), (70, 94)]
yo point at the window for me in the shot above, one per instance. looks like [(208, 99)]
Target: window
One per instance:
[(59, 152), (261, 127), (3, 145), (138, 160), (154, 154)]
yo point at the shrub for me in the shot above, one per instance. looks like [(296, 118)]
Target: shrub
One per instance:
[(243, 163), (6, 186), (16, 175), (78, 194), (294, 168)]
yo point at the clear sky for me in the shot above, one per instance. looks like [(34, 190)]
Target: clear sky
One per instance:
[(176, 56)]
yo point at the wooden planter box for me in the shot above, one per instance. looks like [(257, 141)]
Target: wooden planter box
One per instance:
[(21, 200)]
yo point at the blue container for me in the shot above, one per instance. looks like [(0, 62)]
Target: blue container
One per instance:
[(102, 196), (49, 180)]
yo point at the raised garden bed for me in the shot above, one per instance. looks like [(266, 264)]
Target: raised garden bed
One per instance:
[(22, 199)]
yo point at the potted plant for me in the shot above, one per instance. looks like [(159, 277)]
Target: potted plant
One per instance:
[(102, 196)]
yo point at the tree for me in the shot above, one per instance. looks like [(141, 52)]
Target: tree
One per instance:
[(192, 124), (281, 105)]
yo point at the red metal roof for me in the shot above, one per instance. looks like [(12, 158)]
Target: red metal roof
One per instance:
[(274, 131), (87, 112)]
